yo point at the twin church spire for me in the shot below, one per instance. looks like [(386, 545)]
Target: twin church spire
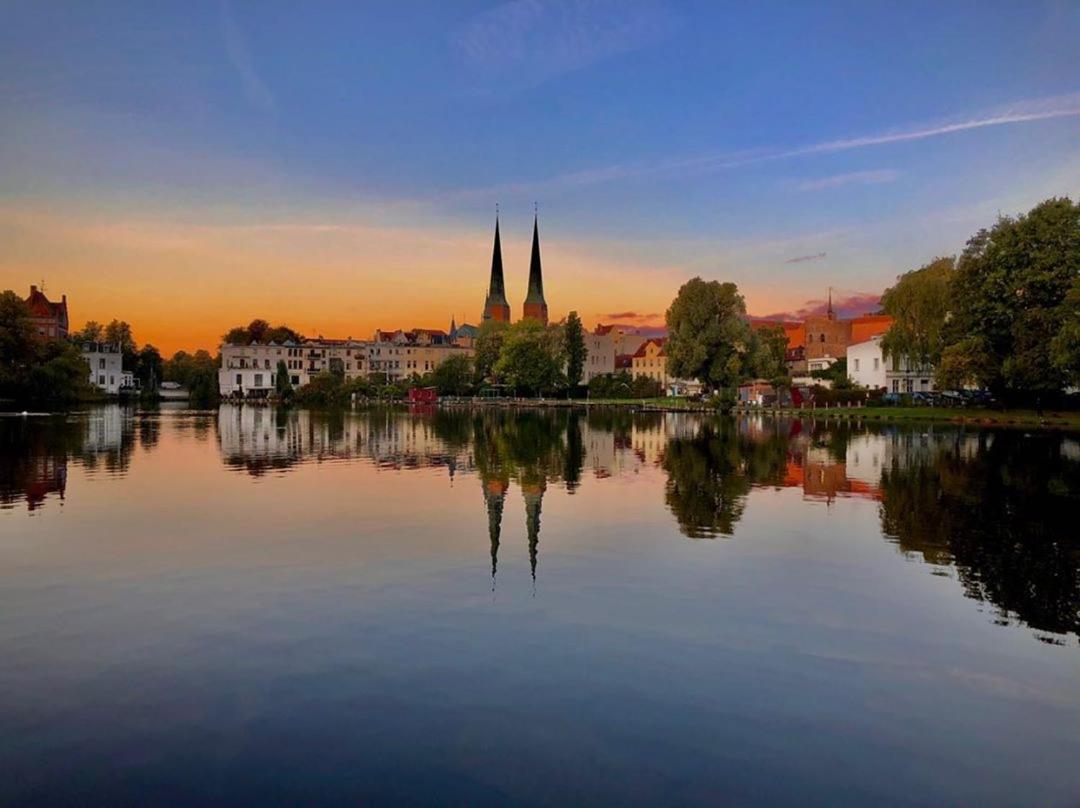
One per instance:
[(496, 306)]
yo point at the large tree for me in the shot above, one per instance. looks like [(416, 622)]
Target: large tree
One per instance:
[(453, 376), (531, 360), (768, 352), (576, 352), (919, 306), (708, 336), (32, 369), (93, 331), (1065, 348), (488, 346), (1010, 300)]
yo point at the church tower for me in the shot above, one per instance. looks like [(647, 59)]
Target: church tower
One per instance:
[(535, 305), (495, 306)]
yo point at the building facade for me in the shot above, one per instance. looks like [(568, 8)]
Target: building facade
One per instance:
[(50, 320), (902, 376), (105, 363), (866, 364)]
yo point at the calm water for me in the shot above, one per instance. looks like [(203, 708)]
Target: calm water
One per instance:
[(255, 606)]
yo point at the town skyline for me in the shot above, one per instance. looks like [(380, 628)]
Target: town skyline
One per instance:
[(186, 171)]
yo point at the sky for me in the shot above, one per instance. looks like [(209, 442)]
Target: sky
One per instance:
[(336, 166)]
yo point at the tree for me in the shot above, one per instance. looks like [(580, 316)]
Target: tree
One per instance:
[(919, 306), (453, 376), (1065, 348), (576, 352), (768, 352), (530, 359), (282, 383), (708, 336), (488, 346), (33, 369), (149, 369), (119, 333), (1010, 302), (259, 330), (93, 331)]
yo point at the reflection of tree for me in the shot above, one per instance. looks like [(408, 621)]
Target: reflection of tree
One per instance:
[(1004, 511), (531, 448), (711, 474)]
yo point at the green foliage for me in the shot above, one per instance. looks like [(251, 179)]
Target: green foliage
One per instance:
[(197, 372), (259, 330), (919, 306), (1065, 347), (282, 384), (333, 390), (768, 348), (93, 331), (119, 333), (623, 385), (1010, 303), (148, 368), (576, 352), (487, 348), (531, 358), (33, 369), (453, 376), (836, 373), (708, 336)]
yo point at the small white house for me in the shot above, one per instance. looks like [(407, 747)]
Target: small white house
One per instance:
[(866, 364), (106, 367)]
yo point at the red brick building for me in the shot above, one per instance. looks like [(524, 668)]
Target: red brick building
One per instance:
[(50, 319)]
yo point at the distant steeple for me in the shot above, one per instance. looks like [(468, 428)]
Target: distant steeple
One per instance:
[(830, 313), (495, 306), (535, 305)]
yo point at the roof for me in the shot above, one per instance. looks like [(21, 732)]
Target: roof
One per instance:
[(657, 341), (603, 330), (794, 331), (41, 306), (869, 325), (624, 360)]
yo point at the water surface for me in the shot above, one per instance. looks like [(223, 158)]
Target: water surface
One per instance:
[(250, 605)]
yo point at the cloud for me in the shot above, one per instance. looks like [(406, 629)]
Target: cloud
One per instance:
[(850, 304), (526, 42), (236, 46), (1023, 111), (801, 258), (628, 315), (877, 177)]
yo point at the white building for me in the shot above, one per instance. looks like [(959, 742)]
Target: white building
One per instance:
[(106, 367), (866, 364), (600, 356), (902, 377)]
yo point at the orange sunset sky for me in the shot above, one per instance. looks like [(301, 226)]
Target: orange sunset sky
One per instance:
[(189, 167)]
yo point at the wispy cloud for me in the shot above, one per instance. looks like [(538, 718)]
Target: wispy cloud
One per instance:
[(1024, 111), (629, 315), (878, 177), (801, 258), (845, 304), (525, 42), (236, 46)]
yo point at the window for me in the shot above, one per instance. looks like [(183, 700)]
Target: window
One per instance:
[(822, 338), (856, 364), (876, 363), (239, 380), (296, 380), (258, 380), (101, 381), (101, 363)]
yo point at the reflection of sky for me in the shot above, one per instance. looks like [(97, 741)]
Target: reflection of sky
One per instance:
[(192, 632)]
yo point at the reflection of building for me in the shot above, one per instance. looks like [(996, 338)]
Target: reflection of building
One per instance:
[(50, 320)]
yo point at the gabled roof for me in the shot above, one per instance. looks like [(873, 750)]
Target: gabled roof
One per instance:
[(643, 348), (869, 325), (41, 306)]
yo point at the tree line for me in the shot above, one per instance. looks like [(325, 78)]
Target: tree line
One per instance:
[(1004, 315)]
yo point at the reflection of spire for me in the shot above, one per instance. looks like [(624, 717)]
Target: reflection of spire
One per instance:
[(534, 496), (494, 497)]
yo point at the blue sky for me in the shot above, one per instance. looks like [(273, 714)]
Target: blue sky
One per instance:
[(660, 139)]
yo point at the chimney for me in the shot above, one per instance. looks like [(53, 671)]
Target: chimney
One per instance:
[(33, 289)]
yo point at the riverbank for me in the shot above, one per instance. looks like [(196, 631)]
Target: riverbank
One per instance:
[(979, 416)]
